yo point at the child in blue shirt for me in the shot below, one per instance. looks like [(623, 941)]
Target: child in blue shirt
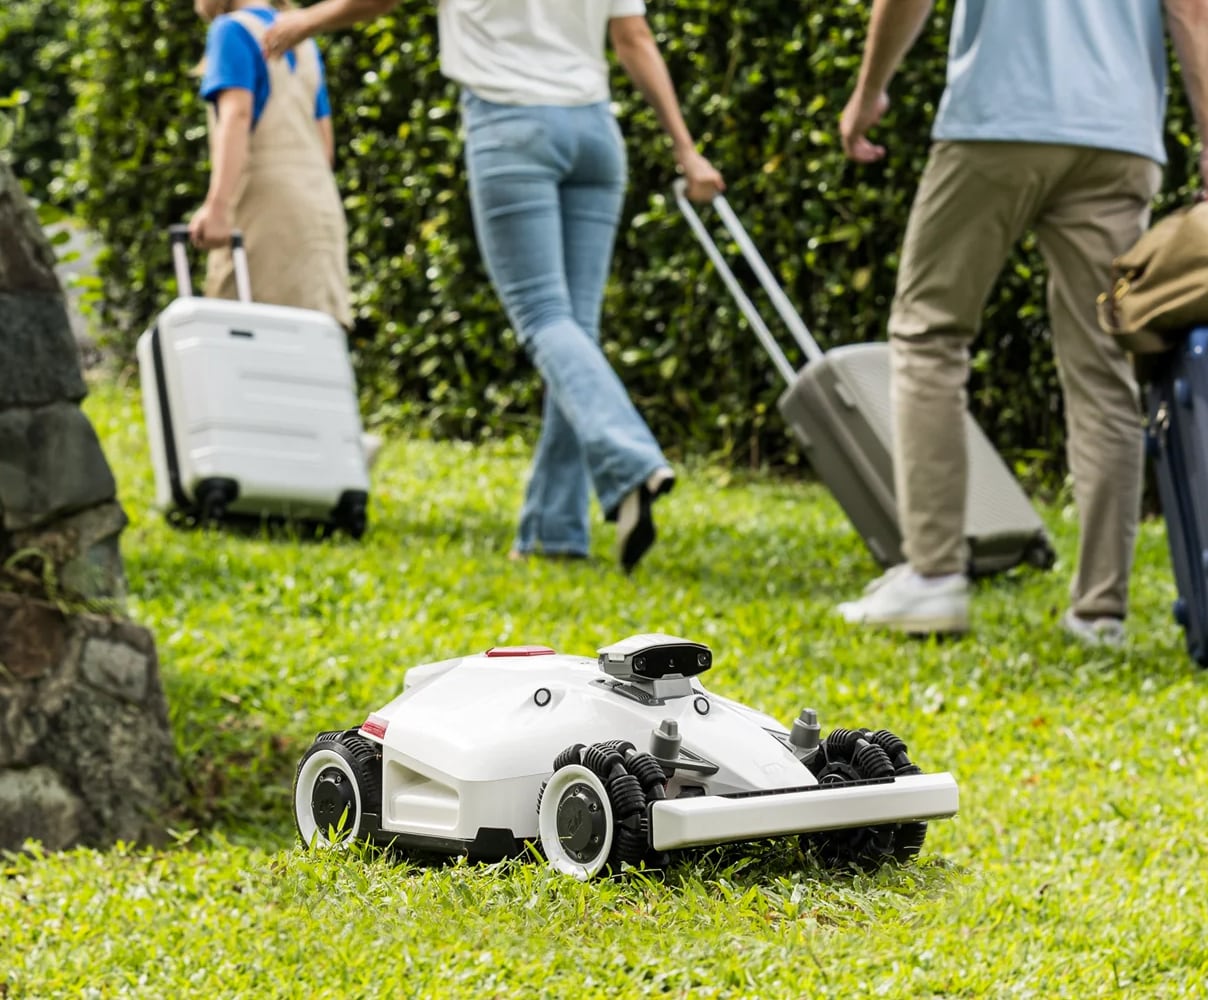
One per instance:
[(271, 146)]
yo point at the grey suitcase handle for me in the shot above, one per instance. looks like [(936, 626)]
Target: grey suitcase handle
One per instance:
[(780, 300), (179, 235)]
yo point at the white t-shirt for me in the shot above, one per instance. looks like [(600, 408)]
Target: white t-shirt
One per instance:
[(530, 51)]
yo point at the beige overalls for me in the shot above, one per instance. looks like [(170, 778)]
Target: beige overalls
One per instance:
[(286, 202)]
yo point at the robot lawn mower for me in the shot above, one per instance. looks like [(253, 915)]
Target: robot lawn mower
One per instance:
[(606, 762)]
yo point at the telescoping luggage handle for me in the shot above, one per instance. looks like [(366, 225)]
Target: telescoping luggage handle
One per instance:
[(780, 300), (179, 235)]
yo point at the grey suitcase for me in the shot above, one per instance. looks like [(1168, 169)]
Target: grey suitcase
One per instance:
[(838, 408)]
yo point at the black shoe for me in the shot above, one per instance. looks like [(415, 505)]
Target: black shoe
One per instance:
[(635, 522)]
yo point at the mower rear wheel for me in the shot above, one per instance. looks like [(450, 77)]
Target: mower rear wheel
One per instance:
[(339, 780)]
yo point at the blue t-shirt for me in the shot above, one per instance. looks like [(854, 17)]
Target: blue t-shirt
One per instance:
[(234, 60), (1074, 72)]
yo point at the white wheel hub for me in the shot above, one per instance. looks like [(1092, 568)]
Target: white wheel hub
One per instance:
[(575, 822), (327, 800)]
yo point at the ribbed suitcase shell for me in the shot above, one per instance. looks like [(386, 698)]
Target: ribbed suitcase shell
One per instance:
[(1177, 401), (252, 409), (838, 408)]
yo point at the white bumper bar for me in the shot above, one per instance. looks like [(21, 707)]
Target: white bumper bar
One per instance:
[(715, 819)]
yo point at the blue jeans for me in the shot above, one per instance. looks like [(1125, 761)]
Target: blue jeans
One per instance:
[(546, 187)]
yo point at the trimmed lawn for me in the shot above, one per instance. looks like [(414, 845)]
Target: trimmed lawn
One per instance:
[(1076, 866)]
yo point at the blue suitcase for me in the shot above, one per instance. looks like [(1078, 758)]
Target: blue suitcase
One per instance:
[(1177, 400)]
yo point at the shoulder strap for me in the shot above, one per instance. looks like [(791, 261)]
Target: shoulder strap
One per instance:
[(256, 27)]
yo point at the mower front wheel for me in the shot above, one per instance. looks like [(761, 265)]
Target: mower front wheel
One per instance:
[(856, 755), (575, 822)]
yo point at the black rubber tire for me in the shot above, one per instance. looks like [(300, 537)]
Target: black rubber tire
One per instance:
[(603, 760), (861, 755), (631, 836), (626, 796), (650, 775), (910, 835), (630, 845), (889, 742), (841, 743), (213, 496), (364, 759), (871, 761), (1041, 555), (571, 755), (632, 780)]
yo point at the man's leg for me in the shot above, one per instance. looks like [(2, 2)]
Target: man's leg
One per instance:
[(973, 203), (1099, 211)]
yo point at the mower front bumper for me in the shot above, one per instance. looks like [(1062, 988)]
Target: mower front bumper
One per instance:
[(718, 819)]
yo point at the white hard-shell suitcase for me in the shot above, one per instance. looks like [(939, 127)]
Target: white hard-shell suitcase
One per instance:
[(251, 409)]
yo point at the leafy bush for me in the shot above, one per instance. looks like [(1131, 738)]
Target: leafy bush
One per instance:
[(36, 37), (762, 85)]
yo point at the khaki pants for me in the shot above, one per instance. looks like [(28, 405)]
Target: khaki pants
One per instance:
[(975, 200)]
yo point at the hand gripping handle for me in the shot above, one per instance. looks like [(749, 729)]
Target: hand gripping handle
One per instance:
[(179, 235)]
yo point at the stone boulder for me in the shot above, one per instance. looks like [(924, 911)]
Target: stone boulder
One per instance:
[(86, 755), (86, 752)]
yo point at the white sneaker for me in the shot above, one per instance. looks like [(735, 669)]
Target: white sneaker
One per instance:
[(906, 602), (1103, 631)]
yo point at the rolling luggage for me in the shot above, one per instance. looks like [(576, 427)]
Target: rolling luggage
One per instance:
[(838, 408), (251, 409), (1177, 440)]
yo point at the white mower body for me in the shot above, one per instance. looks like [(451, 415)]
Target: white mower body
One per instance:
[(466, 752)]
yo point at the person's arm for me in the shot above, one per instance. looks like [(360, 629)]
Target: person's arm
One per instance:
[(210, 226), (1188, 23), (323, 111), (893, 27), (639, 55), (293, 26), (327, 136)]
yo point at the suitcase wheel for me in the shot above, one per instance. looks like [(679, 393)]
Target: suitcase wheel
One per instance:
[(355, 523), (213, 497), (351, 513), (1180, 612), (1040, 554)]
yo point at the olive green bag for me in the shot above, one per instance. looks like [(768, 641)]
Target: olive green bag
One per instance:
[(1160, 285)]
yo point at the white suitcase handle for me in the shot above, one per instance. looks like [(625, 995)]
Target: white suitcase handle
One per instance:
[(179, 235), (780, 300)]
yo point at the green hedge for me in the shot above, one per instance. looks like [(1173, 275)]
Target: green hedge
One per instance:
[(762, 84), (36, 41)]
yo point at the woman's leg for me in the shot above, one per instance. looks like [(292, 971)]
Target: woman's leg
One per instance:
[(556, 507), (519, 161)]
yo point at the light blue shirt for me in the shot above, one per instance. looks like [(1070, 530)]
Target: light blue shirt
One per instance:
[(1073, 72)]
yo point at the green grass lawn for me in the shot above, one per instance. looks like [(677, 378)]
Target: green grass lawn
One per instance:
[(1076, 866)]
